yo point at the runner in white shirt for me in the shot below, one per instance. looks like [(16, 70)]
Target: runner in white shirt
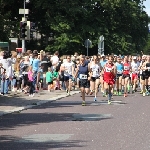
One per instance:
[(68, 68), (134, 73), (142, 82), (95, 69)]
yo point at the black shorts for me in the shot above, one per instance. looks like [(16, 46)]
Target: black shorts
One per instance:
[(66, 78), (85, 83), (118, 75), (94, 78), (125, 76), (61, 77), (145, 75), (41, 81), (26, 80), (49, 83)]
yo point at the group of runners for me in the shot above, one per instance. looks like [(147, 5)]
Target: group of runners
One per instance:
[(108, 74), (119, 75)]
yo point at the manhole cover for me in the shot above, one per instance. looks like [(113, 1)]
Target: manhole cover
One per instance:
[(90, 117), (45, 138), (106, 103)]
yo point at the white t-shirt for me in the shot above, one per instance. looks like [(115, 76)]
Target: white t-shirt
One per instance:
[(135, 67), (7, 64), (54, 60), (68, 68), (95, 70)]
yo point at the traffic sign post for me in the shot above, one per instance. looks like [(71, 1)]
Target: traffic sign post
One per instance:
[(101, 45), (87, 44), (24, 12)]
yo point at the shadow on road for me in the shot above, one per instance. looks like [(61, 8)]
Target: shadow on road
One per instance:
[(15, 143), (11, 121)]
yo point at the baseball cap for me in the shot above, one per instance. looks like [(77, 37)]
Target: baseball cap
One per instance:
[(134, 57)]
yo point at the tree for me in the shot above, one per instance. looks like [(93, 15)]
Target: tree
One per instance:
[(123, 23)]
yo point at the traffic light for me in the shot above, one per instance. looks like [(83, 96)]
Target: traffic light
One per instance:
[(32, 29), (23, 29)]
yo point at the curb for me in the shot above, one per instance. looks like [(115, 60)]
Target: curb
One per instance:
[(19, 109)]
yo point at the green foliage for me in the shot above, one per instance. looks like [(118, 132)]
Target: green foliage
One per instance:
[(123, 23)]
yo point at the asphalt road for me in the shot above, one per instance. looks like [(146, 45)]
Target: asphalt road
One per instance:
[(66, 125)]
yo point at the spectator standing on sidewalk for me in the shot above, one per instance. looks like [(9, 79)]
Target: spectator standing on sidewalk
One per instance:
[(56, 79), (30, 78), (49, 79), (55, 59), (7, 60), (35, 65), (45, 63)]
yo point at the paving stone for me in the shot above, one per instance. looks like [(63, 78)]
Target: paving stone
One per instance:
[(90, 117), (45, 138)]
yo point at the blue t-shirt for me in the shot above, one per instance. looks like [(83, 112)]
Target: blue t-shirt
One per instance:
[(31, 61), (40, 70), (35, 64), (103, 62), (119, 67)]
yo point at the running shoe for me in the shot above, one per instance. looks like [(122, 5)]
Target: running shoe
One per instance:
[(83, 103), (104, 95), (95, 99), (125, 95), (144, 94), (119, 93), (141, 92), (147, 93), (133, 91), (115, 93), (91, 92), (68, 93), (109, 102)]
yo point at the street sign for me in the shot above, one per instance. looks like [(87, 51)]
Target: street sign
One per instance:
[(87, 44), (4, 44), (101, 45), (101, 38), (24, 11)]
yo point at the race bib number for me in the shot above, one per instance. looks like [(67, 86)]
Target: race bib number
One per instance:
[(119, 71), (83, 76), (148, 68), (95, 72), (108, 69), (126, 68), (140, 71), (135, 70)]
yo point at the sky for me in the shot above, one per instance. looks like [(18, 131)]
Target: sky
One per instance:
[(147, 5)]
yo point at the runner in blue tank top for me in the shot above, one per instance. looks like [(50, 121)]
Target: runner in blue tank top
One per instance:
[(84, 83), (120, 69)]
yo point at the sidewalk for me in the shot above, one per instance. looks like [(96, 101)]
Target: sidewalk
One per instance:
[(16, 102)]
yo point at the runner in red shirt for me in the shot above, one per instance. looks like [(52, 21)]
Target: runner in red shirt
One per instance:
[(109, 74)]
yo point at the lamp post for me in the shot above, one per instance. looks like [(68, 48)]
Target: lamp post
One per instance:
[(23, 40)]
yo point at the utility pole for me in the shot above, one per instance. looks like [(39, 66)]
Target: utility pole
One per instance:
[(23, 39)]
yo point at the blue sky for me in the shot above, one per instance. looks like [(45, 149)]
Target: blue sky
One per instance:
[(147, 5)]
